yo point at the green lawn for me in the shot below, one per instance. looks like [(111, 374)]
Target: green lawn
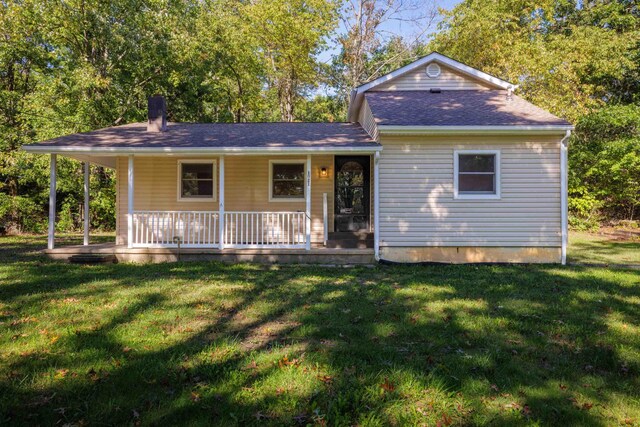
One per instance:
[(593, 248), (205, 343)]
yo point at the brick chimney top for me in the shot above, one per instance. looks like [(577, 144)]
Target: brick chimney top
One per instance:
[(157, 114)]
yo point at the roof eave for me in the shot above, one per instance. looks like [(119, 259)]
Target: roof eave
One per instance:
[(474, 130), (115, 151)]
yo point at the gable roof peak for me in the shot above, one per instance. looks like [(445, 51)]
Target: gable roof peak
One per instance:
[(357, 93), (444, 60)]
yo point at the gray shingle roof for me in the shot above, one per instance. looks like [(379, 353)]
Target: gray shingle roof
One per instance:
[(220, 136), (456, 108)]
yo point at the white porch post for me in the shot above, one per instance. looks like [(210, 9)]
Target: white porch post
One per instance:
[(130, 203), (221, 223), (52, 201), (376, 206), (308, 208), (86, 203)]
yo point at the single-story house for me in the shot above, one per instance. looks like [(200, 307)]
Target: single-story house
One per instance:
[(438, 162)]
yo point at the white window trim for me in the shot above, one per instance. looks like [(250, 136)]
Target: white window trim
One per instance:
[(456, 194), (213, 197), (287, 161)]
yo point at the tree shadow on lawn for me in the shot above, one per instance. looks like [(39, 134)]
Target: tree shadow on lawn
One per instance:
[(204, 343)]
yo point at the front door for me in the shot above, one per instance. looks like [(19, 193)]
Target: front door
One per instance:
[(352, 193)]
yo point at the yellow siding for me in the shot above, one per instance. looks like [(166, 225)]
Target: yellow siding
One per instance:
[(367, 121), (246, 189), (418, 80), (417, 207)]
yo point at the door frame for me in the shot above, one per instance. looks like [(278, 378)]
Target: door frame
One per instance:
[(365, 161)]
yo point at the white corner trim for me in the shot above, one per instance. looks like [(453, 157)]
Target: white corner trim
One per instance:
[(472, 130), (286, 161), (214, 183), (564, 196), (479, 196), (376, 206)]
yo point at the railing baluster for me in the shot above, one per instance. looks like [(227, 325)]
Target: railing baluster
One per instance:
[(200, 228)]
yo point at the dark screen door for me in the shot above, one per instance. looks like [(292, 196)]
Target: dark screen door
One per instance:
[(351, 193)]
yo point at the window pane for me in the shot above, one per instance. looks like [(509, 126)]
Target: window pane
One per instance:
[(477, 162), (473, 183), (288, 171), (197, 171), (196, 188), (288, 189)]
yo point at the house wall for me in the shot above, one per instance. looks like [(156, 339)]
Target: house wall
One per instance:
[(421, 221), (417, 79), (246, 188)]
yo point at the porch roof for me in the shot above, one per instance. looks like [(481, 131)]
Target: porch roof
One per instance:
[(214, 138)]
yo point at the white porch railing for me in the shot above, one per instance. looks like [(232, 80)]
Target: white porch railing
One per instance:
[(196, 229), (200, 229), (264, 230)]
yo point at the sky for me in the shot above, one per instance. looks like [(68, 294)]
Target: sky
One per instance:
[(396, 27)]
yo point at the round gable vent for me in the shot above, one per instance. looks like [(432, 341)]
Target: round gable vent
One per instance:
[(433, 70)]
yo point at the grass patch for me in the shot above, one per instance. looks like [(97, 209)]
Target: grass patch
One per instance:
[(603, 249), (206, 343)]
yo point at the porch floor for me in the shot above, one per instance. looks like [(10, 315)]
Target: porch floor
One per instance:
[(317, 255)]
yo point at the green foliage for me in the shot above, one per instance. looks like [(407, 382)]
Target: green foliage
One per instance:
[(604, 164), (79, 65), (567, 57)]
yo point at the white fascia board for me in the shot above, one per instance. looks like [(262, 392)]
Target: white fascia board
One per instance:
[(471, 130), (114, 151)]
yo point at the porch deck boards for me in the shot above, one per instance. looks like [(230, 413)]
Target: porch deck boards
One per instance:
[(317, 254)]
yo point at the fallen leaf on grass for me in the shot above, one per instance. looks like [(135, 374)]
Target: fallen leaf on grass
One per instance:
[(195, 397), (250, 366), (61, 373), (387, 385), (97, 376), (286, 362), (445, 420), (327, 379)]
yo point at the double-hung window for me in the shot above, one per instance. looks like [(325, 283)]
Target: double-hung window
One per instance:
[(196, 180), (286, 180), (476, 174)]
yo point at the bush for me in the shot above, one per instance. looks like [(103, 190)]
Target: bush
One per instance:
[(21, 214)]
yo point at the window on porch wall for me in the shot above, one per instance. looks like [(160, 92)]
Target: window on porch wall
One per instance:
[(286, 181)]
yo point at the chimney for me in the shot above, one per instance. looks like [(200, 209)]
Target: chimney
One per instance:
[(157, 113)]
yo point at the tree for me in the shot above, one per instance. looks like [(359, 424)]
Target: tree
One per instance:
[(567, 58), (604, 160)]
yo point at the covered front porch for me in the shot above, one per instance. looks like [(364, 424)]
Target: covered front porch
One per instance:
[(238, 216)]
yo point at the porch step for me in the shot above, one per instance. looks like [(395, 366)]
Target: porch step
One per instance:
[(93, 259), (350, 240)]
